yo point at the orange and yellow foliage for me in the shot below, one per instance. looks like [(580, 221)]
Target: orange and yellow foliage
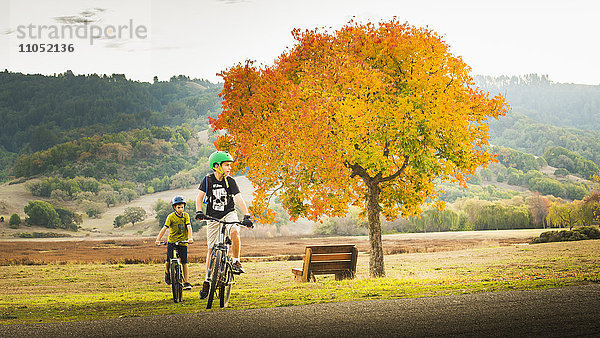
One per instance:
[(380, 110)]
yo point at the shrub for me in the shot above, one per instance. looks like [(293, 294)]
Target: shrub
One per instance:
[(119, 221), (589, 231), (41, 235), (15, 221), (583, 233), (42, 213), (561, 172), (92, 209), (68, 219)]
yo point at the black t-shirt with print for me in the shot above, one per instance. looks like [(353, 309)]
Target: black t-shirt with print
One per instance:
[(219, 198)]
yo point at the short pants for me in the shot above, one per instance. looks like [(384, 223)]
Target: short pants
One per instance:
[(182, 252), (213, 228)]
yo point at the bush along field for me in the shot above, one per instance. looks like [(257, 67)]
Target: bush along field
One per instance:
[(70, 292), (578, 234)]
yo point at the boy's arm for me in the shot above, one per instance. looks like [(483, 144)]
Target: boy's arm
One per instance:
[(239, 201), (190, 234), (160, 234), (200, 200)]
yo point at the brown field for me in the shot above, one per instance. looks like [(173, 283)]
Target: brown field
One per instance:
[(143, 250)]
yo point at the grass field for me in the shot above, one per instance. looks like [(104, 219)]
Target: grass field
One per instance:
[(67, 291)]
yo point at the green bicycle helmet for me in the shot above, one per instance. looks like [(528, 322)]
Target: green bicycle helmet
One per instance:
[(219, 157)]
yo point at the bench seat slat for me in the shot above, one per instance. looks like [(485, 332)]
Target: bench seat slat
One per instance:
[(329, 266), (331, 257), (326, 249)]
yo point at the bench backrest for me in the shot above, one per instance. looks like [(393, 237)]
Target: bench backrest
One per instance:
[(322, 259)]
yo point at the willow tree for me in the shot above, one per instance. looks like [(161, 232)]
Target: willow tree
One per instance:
[(369, 115)]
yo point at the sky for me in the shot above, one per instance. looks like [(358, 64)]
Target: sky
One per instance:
[(147, 38)]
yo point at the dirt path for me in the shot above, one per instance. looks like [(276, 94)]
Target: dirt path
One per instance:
[(571, 311)]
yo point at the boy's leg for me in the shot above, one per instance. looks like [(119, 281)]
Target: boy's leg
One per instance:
[(236, 243), (183, 257), (185, 272), (167, 274), (167, 265)]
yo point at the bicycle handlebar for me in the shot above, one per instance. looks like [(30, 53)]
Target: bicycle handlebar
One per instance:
[(214, 219), (176, 243)]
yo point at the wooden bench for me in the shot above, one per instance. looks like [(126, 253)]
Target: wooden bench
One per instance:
[(328, 259)]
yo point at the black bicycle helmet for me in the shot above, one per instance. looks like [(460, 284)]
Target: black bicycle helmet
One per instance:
[(177, 200)]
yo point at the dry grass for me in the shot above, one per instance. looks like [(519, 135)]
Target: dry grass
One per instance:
[(143, 250)]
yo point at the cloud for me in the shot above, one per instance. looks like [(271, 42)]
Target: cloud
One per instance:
[(73, 19), (232, 2), (85, 17)]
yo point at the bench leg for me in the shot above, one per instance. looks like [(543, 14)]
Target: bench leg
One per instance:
[(344, 275)]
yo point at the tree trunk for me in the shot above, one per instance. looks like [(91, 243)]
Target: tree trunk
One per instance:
[(376, 267)]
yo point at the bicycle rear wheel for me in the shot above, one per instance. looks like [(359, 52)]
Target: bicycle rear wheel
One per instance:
[(214, 278), (225, 289), (175, 282)]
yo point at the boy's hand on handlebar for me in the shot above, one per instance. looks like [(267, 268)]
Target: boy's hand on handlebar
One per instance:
[(200, 215), (247, 222), (190, 241)]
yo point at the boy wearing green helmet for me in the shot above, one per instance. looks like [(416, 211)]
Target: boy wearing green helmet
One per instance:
[(221, 194)]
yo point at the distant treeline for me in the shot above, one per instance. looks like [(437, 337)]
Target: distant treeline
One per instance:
[(535, 211), (40, 111), (520, 132), (558, 104), (143, 156)]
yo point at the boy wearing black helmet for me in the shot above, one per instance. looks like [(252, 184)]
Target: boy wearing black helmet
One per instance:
[(222, 195), (180, 229)]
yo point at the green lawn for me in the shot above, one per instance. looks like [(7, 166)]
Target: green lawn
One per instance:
[(50, 293)]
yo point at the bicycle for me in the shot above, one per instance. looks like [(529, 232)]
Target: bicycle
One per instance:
[(220, 268), (176, 272)]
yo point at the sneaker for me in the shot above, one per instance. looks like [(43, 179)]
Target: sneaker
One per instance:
[(187, 286), (237, 268), (167, 278), (205, 289)]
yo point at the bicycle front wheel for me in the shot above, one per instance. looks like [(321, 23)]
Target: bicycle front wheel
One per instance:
[(225, 289), (175, 282), (179, 282), (214, 276)]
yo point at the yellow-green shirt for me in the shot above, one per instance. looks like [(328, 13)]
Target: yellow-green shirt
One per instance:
[(178, 227)]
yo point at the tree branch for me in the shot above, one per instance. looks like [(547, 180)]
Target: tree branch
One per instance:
[(396, 174)]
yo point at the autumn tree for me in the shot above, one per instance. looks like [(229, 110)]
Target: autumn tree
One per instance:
[(539, 206), (591, 208), (370, 115), (565, 214)]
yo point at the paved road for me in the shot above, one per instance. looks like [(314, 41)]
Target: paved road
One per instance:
[(572, 311)]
